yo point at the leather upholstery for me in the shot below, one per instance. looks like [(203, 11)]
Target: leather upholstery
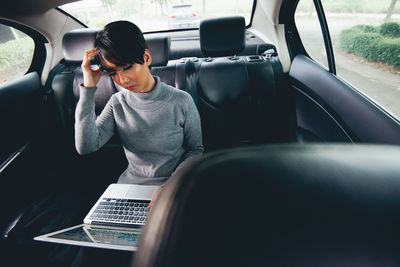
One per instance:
[(76, 42), (222, 36), (239, 105), (222, 80), (166, 73), (225, 104), (240, 99), (279, 205), (159, 50)]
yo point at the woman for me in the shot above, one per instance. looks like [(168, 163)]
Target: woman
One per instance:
[(159, 125)]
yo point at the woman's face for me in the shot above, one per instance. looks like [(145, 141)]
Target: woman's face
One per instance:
[(133, 77)]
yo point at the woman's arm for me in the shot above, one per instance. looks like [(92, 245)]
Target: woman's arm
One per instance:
[(193, 143), (91, 134)]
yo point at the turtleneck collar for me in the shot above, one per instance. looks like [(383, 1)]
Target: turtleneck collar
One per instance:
[(150, 100)]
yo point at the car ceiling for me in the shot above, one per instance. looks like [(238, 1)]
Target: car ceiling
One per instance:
[(16, 8)]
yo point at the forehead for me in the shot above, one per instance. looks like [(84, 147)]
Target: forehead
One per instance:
[(108, 65)]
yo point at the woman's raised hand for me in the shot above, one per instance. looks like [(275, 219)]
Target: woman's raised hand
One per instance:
[(90, 77)]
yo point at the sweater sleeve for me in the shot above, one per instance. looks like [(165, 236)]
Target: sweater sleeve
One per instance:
[(92, 133), (193, 143)]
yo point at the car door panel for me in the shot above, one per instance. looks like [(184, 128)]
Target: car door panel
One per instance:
[(19, 113), (356, 118), (314, 122), (20, 118)]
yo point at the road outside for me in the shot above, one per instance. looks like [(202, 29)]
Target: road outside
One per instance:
[(379, 82)]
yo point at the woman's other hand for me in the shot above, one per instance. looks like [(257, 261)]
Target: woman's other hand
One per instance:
[(154, 199)]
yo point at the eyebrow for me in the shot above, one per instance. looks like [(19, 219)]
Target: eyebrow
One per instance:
[(109, 70), (113, 70)]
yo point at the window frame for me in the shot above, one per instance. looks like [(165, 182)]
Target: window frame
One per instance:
[(39, 53), (325, 33), (294, 42)]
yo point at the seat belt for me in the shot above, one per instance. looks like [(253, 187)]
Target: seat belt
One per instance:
[(192, 78), (47, 86), (282, 85), (48, 92), (272, 56)]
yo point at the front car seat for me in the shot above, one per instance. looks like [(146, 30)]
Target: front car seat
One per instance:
[(279, 205)]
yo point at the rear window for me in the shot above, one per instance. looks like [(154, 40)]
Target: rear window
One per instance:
[(156, 15)]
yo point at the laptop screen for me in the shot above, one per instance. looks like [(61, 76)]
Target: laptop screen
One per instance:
[(95, 236)]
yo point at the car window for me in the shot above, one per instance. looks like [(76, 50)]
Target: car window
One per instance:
[(16, 53), (156, 15), (366, 43)]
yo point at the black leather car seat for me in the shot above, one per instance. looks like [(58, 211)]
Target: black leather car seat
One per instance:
[(239, 98), (279, 205)]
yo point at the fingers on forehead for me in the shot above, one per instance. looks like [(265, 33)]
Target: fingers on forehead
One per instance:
[(92, 51)]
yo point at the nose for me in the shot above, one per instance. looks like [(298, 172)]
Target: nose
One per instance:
[(123, 78)]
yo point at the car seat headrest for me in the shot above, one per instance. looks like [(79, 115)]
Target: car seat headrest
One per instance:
[(222, 36), (76, 42), (159, 50)]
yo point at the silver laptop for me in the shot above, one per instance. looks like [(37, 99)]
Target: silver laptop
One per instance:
[(113, 222)]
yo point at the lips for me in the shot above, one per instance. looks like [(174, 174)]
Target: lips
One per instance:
[(131, 88)]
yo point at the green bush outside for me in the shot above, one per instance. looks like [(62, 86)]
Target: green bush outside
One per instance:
[(16, 54), (366, 28), (370, 42), (390, 29)]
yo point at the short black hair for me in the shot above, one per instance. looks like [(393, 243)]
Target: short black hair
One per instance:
[(121, 42)]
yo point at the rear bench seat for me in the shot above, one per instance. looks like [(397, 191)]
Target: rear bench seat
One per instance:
[(240, 100)]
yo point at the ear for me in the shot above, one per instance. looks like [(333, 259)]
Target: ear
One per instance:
[(147, 57)]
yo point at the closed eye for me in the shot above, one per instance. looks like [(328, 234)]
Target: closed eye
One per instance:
[(113, 72)]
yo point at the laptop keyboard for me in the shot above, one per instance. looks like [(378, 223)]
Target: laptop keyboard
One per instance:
[(130, 211)]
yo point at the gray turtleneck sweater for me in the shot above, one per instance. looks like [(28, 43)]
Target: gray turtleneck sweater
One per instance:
[(159, 130)]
